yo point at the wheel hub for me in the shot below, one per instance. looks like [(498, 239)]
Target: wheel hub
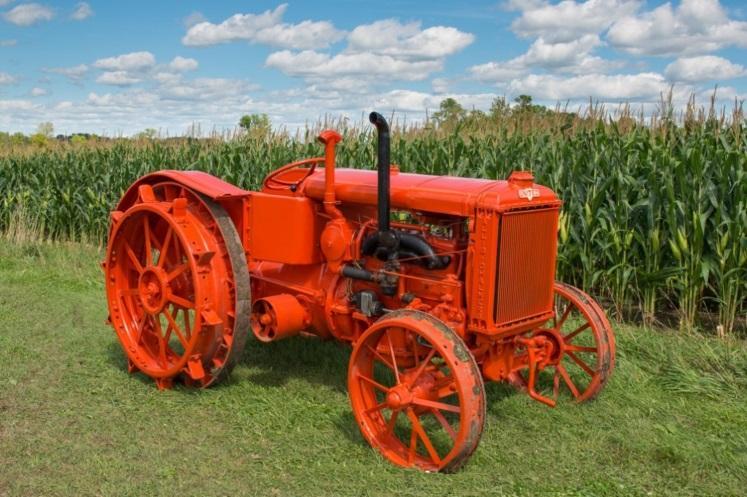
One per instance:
[(553, 342), (153, 289), (399, 397)]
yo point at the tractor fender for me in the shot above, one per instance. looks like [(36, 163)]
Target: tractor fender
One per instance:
[(204, 183)]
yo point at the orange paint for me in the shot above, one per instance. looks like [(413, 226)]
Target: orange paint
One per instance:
[(465, 276)]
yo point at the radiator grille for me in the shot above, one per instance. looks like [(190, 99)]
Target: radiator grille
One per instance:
[(526, 264)]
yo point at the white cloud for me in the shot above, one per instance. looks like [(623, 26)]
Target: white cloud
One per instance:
[(693, 27), (193, 18), (6, 79), (117, 78), (563, 57), (390, 37), (408, 100), (208, 89), (75, 73), (28, 13), (266, 28), (8, 43), (38, 92), (703, 68), (643, 86), (82, 11), (135, 61), (17, 105), (181, 64), (568, 20), (314, 64)]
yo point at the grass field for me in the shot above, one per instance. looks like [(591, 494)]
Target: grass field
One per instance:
[(672, 421)]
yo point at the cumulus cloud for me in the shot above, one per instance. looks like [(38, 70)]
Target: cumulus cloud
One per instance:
[(38, 92), (315, 64), (181, 64), (267, 28), (82, 11), (390, 37), (75, 73), (134, 61), (28, 13), (568, 20), (643, 86), (703, 68), (6, 79), (117, 78), (572, 57), (693, 27)]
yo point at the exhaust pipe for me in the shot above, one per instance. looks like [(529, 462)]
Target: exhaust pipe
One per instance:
[(387, 243), (382, 166)]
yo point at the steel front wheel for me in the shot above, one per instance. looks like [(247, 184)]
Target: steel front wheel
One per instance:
[(177, 296), (416, 392), (581, 344)]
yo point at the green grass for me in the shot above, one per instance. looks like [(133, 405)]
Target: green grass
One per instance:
[(672, 421)]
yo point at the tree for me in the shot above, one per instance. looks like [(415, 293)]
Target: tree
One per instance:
[(45, 129), (259, 123), (450, 113)]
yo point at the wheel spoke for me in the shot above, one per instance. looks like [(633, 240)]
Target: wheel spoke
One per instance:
[(133, 257), (581, 363), (161, 341), (175, 327), (394, 359), (570, 336), (187, 326), (165, 247), (373, 383), (141, 327), (392, 421), (444, 422), (181, 302), (177, 271), (380, 357), (437, 405), (413, 445), (423, 364), (567, 311), (567, 379), (148, 246), (578, 348), (418, 428), (376, 408)]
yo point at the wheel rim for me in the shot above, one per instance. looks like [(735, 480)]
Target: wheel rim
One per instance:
[(170, 287), (416, 392), (582, 356)]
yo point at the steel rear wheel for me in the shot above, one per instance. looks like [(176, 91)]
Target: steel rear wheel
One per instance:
[(178, 298), (416, 392), (583, 345)]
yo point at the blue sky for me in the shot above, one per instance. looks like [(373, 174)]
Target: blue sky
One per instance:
[(120, 67)]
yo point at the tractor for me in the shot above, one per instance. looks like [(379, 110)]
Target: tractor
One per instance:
[(438, 283)]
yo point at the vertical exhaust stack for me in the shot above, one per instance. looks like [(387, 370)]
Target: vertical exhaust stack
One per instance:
[(386, 243), (382, 166)]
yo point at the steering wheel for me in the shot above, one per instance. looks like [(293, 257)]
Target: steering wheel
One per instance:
[(272, 182)]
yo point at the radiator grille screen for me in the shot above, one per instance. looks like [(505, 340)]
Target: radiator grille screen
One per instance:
[(526, 264)]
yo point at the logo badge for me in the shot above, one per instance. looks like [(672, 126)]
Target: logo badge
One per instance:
[(529, 193)]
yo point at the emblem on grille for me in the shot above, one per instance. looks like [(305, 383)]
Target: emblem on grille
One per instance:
[(529, 193)]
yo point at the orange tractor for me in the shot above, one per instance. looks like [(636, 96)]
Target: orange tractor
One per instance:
[(439, 283)]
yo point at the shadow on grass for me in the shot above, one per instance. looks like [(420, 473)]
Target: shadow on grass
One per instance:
[(273, 365)]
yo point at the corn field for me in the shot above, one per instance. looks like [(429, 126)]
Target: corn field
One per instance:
[(654, 219)]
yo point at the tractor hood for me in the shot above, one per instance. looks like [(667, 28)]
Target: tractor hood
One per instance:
[(451, 195)]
